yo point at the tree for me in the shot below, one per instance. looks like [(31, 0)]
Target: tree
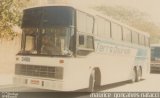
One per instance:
[(10, 16)]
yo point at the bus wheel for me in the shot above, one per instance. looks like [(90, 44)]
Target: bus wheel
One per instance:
[(139, 72), (134, 75), (92, 82)]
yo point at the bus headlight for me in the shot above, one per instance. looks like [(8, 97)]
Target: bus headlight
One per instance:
[(17, 58)]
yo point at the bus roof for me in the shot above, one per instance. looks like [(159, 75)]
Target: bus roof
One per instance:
[(50, 5), (94, 14), (155, 45)]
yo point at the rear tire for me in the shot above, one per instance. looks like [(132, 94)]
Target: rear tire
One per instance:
[(134, 75), (139, 72), (91, 87)]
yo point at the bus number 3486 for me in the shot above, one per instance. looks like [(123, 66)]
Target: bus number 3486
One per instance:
[(26, 59)]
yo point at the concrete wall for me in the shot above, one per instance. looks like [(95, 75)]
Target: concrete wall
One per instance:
[(8, 50)]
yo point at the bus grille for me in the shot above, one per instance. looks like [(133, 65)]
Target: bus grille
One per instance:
[(39, 71)]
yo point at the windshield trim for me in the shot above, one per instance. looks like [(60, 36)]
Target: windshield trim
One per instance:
[(42, 55), (38, 50)]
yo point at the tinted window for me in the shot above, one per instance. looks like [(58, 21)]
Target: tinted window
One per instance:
[(47, 16), (147, 42), (86, 41), (81, 21), (84, 22), (127, 35), (141, 40), (155, 52), (116, 31), (103, 28), (135, 37), (107, 29), (89, 24)]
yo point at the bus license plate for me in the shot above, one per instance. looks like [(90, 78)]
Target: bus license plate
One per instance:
[(35, 82)]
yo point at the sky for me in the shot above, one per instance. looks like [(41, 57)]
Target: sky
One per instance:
[(151, 7)]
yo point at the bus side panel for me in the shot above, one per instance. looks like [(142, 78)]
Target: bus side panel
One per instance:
[(77, 73), (115, 61)]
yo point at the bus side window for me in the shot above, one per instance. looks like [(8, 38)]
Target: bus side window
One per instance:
[(127, 35), (89, 42), (86, 41), (30, 45), (116, 31), (85, 45), (141, 40), (81, 40), (135, 38), (147, 42)]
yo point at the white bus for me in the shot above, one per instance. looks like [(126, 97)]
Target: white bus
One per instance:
[(66, 49)]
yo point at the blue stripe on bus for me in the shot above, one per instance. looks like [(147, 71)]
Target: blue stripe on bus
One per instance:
[(141, 51)]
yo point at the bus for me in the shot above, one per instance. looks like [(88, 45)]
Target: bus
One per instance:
[(155, 57), (67, 49)]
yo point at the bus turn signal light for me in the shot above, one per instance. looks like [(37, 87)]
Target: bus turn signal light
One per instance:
[(17, 59), (61, 61)]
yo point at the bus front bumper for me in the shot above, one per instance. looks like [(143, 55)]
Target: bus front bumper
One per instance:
[(38, 83)]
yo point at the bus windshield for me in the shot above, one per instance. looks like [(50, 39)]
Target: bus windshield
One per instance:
[(48, 30), (48, 41)]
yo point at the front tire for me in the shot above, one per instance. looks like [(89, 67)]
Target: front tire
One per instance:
[(91, 87), (139, 72)]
